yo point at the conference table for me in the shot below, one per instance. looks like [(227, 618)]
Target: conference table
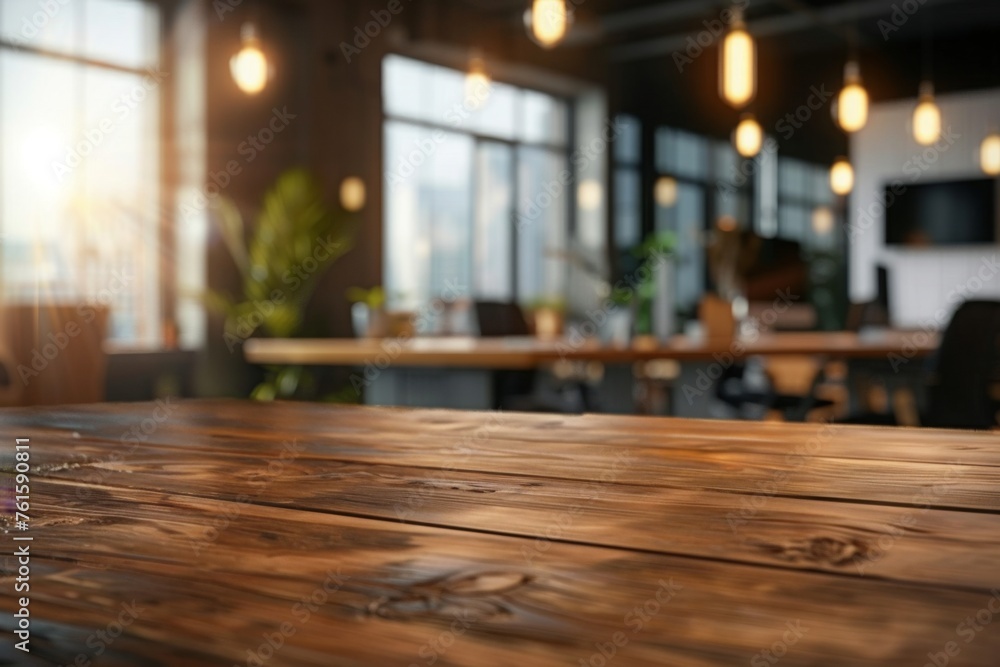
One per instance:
[(456, 372), (234, 533)]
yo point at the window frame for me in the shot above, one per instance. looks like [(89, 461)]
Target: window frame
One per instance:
[(161, 138), (479, 138)]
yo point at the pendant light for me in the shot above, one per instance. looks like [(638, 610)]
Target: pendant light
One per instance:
[(748, 137), (547, 22), (738, 64), (989, 155), (249, 67), (852, 103), (477, 82), (841, 177), (665, 191), (926, 115)]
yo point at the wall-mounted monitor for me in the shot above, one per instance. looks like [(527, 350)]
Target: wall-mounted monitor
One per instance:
[(943, 213)]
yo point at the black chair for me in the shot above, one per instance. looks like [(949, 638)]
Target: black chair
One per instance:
[(512, 390), (874, 313), (733, 389), (517, 389), (964, 387)]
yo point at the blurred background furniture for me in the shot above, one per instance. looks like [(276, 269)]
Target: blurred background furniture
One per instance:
[(964, 387), (521, 390), (54, 354), (961, 380)]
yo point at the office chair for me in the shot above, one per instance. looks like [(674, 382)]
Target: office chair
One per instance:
[(516, 389), (964, 387), (736, 389)]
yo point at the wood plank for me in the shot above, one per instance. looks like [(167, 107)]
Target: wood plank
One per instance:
[(899, 543), (434, 445), (407, 583), (439, 425)]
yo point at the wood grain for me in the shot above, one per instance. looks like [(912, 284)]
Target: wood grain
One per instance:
[(530, 545)]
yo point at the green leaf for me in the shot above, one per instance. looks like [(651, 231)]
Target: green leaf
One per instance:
[(230, 224)]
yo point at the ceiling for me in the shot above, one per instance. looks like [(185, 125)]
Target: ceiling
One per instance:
[(802, 44)]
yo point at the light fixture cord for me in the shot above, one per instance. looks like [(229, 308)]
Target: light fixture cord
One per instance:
[(927, 59)]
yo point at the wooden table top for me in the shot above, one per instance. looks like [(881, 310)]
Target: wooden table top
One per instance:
[(517, 352), (234, 533)]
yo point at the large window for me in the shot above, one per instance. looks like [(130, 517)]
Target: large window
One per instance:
[(476, 202), (805, 205), (80, 197), (709, 185)]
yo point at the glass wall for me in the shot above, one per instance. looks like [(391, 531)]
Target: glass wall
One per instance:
[(477, 192), (79, 180)]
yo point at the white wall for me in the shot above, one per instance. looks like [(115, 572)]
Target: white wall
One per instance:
[(924, 284)]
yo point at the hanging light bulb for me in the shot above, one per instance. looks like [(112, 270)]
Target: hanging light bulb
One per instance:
[(249, 66), (590, 194), (665, 191), (989, 155), (748, 136), (547, 21), (822, 220), (927, 116), (352, 194), (842, 177), (852, 103), (477, 83), (738, 64)]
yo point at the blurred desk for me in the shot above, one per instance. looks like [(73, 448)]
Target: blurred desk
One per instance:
[(513, 352), (315, 535), (455, 372)]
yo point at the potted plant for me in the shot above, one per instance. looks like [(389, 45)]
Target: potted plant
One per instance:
[(654, 296), (294, 240), (546, 316), (368, 317)]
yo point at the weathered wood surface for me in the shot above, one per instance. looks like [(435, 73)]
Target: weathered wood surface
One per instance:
[(456, 538), (513, 352)]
